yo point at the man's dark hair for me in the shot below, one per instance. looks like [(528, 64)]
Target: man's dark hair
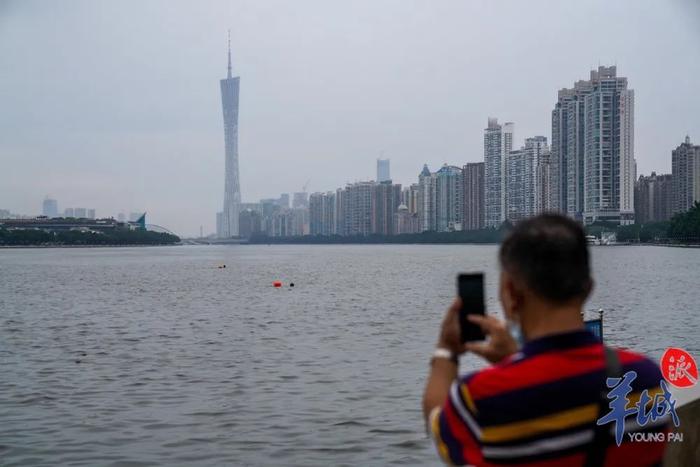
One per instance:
[(549, 253)]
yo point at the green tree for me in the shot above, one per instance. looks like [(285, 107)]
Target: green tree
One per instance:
[(685, 226)]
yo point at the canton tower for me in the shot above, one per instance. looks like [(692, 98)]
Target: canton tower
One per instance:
[(232, 188)]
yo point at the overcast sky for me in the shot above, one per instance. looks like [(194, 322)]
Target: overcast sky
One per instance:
[(116, 105)]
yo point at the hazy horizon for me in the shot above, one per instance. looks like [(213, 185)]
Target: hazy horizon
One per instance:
[(116, 106)]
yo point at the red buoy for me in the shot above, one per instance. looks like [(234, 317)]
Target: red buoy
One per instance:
[(277, 284)]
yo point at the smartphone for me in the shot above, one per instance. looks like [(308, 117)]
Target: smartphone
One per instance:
[(470, 288)]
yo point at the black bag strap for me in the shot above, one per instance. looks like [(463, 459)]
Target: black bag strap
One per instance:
[(601, 435)]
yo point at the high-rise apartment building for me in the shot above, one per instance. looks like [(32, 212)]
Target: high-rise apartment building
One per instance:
[(410, 197), (300, 200), (592, 161), (80, 213), (527, 174), (283, 201), (685, 167), (361, 208), (50, 207), (322, 210), (498, 142), (289, 222), (386, 198), (448, 198), (383, 172), (406, 222), (249, 222), (567, 150), (252, 206), (357, 208), (473, 196), (232, 191), (340, 210), (90, 213), (653, 198), (427, 208)]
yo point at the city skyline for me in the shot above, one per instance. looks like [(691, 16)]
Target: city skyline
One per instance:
[(143, 128)]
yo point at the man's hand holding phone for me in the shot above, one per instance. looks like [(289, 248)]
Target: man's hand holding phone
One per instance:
[(500, 343)]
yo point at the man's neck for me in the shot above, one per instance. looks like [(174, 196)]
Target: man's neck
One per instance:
[(545, 319)]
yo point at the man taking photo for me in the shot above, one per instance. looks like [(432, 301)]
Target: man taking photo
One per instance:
[(538, 404)]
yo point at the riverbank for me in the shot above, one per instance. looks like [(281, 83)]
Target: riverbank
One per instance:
[(44, 238), (19, 247), (476, 237)]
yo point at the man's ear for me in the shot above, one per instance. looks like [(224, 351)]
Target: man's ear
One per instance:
[(514, 295), (509, 298)]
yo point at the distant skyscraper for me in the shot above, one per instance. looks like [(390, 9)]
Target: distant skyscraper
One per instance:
[(609, 166), (322, 213), (527, 172), (68, 212), (406, 222), (567, 161), (232, 191), (386, 198), (473, 196), (50, 207), (90, 213), (427, 208), (80, 213), (685, 166), (283, 200), (448, 198), (409, 197), (249, 221), (300, 200), (653, 198), (592, 163), (340, 212), (357, 207), (498, 142), (383, 172)]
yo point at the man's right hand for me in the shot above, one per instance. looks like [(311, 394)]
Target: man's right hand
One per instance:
[(500, 344)]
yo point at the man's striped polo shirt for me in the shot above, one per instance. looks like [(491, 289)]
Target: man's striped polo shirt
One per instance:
[(539, 408)]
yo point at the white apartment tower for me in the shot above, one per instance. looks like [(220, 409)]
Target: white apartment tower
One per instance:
[(427, 202), (498, 142), (527, 173), (592, 163)]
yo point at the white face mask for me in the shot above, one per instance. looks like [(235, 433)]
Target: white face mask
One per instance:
[(515, 331)]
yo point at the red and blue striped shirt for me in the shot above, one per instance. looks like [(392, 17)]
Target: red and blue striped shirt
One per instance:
[(539, 408)]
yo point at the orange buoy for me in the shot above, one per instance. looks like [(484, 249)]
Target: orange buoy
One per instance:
[(277, 284)]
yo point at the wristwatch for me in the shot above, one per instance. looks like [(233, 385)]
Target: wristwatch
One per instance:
[(444, 353)]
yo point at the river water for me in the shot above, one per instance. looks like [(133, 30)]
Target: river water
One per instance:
[(156, 356)]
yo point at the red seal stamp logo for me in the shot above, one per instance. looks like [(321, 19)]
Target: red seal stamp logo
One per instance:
[(679, 368)]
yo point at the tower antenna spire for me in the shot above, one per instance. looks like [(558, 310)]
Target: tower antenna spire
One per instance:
[(229, 54)]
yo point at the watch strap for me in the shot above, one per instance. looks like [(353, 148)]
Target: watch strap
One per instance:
[(441, 352)]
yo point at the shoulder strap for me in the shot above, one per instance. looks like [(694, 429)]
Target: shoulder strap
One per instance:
[(601, 436)]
